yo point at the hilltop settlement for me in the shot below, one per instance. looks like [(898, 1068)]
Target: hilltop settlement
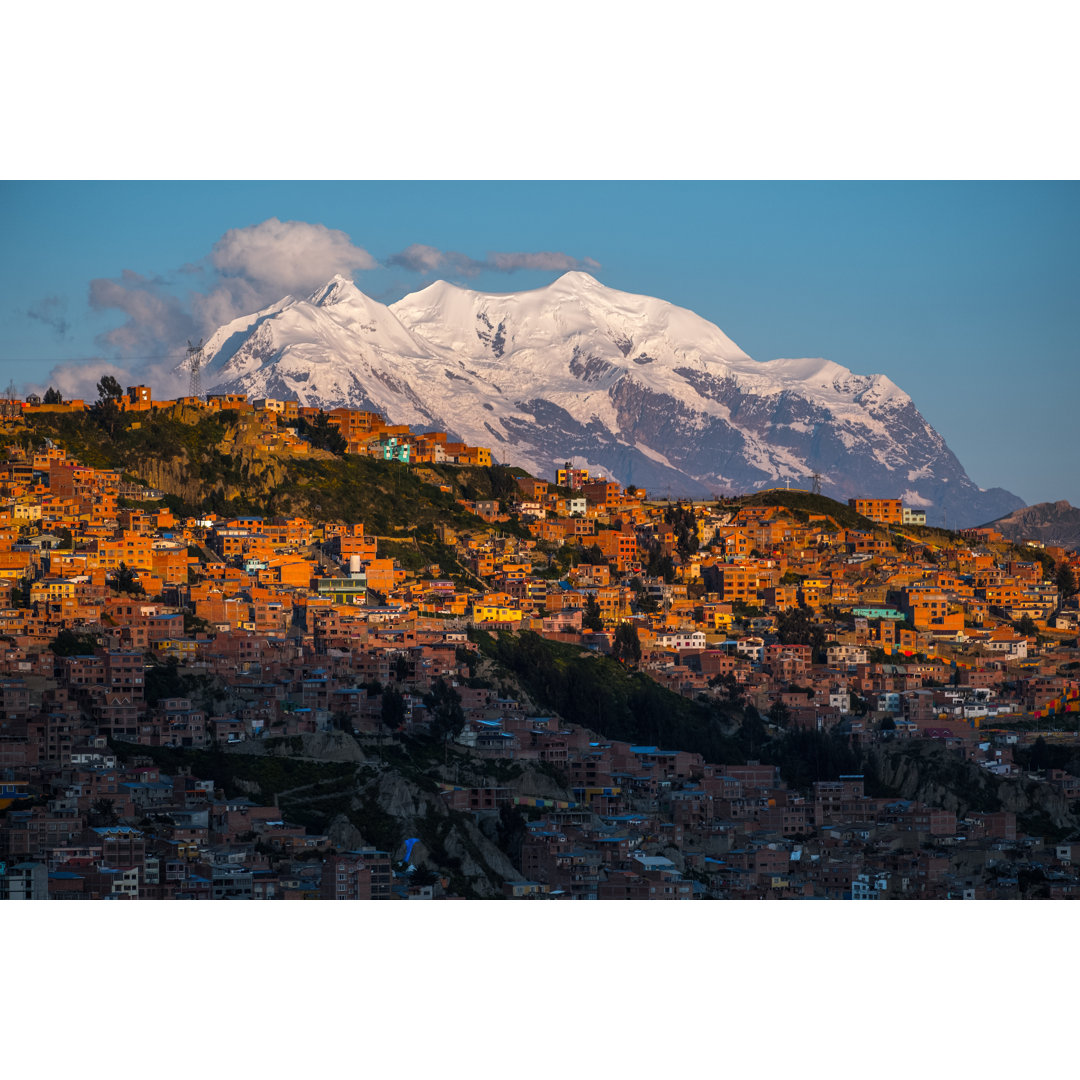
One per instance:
[(253, 650)]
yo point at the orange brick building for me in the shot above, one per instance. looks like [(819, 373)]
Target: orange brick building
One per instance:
[(883, 511)]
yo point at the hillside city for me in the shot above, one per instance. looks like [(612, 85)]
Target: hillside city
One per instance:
[(555, 688)]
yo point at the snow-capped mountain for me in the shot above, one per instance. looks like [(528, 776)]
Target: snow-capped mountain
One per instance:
[(632, 386)]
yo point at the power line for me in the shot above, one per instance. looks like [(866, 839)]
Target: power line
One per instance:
[(83, 359)]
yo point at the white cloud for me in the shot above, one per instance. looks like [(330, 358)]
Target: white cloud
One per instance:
[(246, 269), (155, 317), (50, 311), (420, 257), (288, 256), (509, 261), (80, 380), (423, 258)]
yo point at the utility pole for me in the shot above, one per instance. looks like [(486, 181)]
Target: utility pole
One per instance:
[(195, 360)]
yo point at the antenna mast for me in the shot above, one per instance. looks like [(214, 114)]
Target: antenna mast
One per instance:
[(817, 483), (195, 360)]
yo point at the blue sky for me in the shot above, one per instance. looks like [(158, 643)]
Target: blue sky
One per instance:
[(963, 293)]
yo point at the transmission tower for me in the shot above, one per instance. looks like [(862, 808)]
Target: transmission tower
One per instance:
[(816, 477), (195, 360)]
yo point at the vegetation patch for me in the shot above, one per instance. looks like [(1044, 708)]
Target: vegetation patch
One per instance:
[(809, 503), (600, 694)]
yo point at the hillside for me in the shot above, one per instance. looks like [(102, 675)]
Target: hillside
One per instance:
[(804, 503), (923, 769), (597, 692), (378, 793), (218, 463), (1054, 523)]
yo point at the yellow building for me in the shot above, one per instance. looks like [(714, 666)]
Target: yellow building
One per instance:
[(495, 613), (52, 590)]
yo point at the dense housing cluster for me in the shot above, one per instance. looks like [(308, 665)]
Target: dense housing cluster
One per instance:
[(135, 639)]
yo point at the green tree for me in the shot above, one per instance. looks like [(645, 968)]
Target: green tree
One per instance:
[(591, 618), (53, 397), (103, 813), (753, 734), (779, 714), (511, 832), (163, 681), (1026, 626), (1040, 757), (126, 581), (109, 390), (592, 556), (322, 434), (645, 603), (627, 646), (392, 714), (70, 643), (797, 627), (684, 525), (195, 624), (616, 702), (859, 705), (807, 756), (447, 715), (1065, 580), (659, 565)]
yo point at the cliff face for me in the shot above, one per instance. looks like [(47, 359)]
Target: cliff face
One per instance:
[(392, 796), (239, 465), (930, 774)]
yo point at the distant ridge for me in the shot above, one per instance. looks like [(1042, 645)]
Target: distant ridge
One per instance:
[(1054, 523)]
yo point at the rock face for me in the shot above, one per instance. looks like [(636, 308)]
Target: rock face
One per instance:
[(632, 386), (318, 746), (1056, 523), (931, 775), (239, 447)]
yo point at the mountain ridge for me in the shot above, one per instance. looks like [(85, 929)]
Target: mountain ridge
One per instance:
[(1055, 523), (638, 388)]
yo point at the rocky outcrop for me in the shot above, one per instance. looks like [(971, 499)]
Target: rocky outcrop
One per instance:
[(1056, 523), (928, 773), (319, 746)]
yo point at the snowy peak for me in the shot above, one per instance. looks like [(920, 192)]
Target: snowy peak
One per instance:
[(638, 388), (576, 281), (337, 290), (575, 311)]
